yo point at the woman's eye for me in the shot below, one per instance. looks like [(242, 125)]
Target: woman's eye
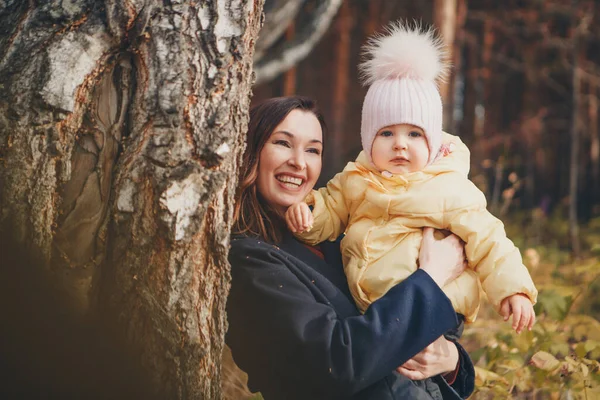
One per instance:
[(386, 133), (282, 143), (415, 134), (314, 151)]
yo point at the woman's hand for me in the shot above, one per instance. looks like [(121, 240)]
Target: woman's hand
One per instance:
[(440, 357), (444, 260)]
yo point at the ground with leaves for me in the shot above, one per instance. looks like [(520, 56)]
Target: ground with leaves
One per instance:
[(559, 358)]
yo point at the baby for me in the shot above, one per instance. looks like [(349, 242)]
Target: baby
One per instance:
[(406, 178)]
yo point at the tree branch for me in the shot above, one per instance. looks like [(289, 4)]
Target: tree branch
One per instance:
[(290, 53), (278, 16)]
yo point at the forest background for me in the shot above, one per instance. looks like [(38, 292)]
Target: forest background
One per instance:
[(523, 95)]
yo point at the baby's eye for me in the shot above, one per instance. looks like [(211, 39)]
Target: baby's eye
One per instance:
[(415, 134), (386, 133)]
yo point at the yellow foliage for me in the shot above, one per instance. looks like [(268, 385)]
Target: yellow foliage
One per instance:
[(545, 361), (563, 349), (584, 326), (484, 377)]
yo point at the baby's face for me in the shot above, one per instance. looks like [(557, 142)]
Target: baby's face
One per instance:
[(400, 149)]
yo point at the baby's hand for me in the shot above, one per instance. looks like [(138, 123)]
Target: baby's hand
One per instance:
[(521, 308), (299, 218)]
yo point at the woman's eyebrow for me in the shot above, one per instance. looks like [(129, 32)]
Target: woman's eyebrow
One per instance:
[(291, 135)]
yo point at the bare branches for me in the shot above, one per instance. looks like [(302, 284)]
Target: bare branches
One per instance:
[(290, 53), (279, 15)]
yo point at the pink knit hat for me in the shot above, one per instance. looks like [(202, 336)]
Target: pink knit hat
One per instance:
[(402, 71)]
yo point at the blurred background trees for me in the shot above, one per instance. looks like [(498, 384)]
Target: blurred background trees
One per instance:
[(523, 93)]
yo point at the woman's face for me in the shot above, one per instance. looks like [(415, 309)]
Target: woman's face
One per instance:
[(290, 162)]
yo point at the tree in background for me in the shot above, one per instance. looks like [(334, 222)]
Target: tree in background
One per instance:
[(529, 105), (276, 53)]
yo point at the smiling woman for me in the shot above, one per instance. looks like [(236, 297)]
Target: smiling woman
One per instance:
[(291, 160), (286, 135)]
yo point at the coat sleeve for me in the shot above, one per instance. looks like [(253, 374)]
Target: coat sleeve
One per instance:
[(491, 254), (277, 323), (464, 384), (330, 211)]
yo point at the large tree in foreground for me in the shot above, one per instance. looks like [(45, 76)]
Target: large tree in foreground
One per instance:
[(121, 129)]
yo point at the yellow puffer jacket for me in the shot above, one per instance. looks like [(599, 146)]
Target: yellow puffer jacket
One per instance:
[(383, 220)]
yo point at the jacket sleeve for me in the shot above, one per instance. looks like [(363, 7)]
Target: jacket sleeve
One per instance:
[(464, 384), (490, 253), (330, 211), (276, 322)]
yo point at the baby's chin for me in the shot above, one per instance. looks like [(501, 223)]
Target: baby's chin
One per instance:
[(395, 170)]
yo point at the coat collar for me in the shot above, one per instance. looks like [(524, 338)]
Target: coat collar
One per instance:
[(293, 246), (331, 267)]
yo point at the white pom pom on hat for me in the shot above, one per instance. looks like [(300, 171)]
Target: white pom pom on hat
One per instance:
[(404, 51), (403, 68)]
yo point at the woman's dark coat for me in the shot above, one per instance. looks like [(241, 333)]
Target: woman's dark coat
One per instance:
[(294, 328)]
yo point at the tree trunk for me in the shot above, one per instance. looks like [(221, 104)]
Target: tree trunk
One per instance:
[(574, 159), (289, 78), (374, 21), (444, 17), (341, 83), (488, 129), (457, 76), (470, 96), (594, 143), (121, 132)]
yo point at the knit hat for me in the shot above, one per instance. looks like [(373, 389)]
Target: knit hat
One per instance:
[(402, 68)]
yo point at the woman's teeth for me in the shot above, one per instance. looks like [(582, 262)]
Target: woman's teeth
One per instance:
[(289, 181)]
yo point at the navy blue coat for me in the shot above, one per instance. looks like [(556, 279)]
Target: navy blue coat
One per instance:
[(294, 327)]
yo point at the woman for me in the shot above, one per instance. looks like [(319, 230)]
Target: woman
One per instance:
[(293, 326)]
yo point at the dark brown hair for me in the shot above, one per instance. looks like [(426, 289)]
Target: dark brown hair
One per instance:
[(252, 215)]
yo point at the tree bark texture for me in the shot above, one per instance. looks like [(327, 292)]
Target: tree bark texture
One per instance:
[(121, 130)]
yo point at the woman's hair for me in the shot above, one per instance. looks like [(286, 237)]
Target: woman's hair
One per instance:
[(252, 215)]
